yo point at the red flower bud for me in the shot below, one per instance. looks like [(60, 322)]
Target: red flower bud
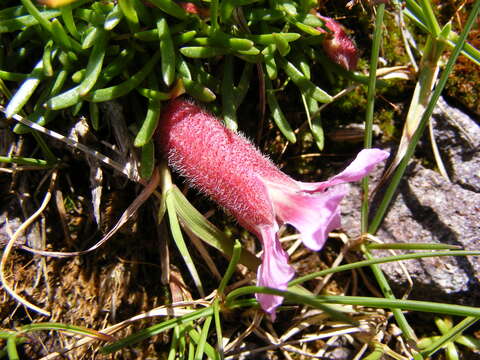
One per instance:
[(338, 45)]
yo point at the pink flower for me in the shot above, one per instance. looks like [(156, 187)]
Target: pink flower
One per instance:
[(227, 167), (338, 46)]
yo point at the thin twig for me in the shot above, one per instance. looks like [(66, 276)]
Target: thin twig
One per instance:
[(11, 242), (105, 159)]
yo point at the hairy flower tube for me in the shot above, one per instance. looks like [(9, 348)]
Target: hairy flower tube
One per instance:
[(338, 46), (229, 169)]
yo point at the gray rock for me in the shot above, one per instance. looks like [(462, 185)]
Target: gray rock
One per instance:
[(458, 138), (429, 209)]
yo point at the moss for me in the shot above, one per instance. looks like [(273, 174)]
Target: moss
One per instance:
[(393, 49), (462, 85), (385, 118)]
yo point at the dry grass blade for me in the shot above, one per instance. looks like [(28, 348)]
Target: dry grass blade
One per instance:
[(175, 310), (429, 69), (105, 159), (131, 210), (13, 239)]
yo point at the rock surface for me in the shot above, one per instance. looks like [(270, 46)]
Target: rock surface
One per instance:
[(429, 209)]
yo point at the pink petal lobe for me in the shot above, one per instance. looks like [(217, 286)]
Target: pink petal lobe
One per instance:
[(363, 164), (313, 215), (274, 272)]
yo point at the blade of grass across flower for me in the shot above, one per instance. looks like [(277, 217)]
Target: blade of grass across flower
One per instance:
[(382, 260), (206, 231), (314, 301), (400, 318)]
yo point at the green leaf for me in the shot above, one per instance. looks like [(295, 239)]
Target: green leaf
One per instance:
[(199, 52), (147, 163), (124, 88), (180, 242), (305, 85), (171, 8), (277, 114), (113, 18), (95, 63), (25, 91), (167, 52), (149, 124), (198, 91), (206, 231)]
